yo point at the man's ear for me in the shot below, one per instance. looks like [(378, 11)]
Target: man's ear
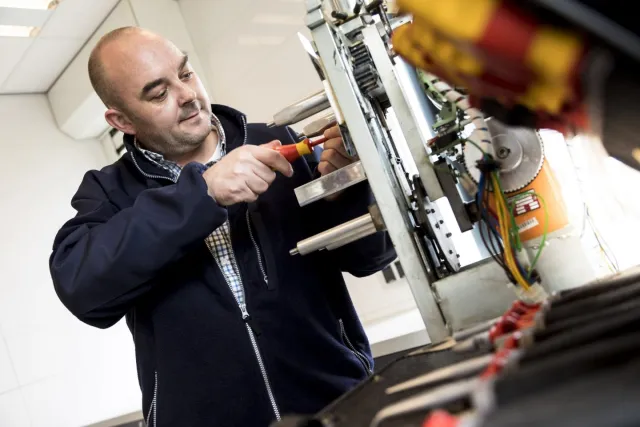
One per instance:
[(118, 120)]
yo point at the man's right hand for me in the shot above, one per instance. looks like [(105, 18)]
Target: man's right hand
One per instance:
[(245, 173)]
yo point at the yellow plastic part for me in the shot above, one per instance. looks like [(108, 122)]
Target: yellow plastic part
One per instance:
[(459, 19), (553, 54), (545, 96), (303, 148)]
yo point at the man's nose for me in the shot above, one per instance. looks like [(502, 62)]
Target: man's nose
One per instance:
[(187, 94)]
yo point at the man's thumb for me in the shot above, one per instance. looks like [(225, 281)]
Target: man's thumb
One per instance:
[(272, 144)]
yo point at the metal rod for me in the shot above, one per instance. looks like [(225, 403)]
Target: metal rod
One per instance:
[(426, 401), (467, 367), (364, 232), (322, 240), (301, 110)]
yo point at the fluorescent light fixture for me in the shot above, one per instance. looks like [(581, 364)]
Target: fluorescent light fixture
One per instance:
[(17, 31), (30, 4), (260, 41), (274, 19)]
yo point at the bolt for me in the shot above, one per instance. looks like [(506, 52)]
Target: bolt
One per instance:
[(448, 234), (441, 222), (503, 152), (433, 211), (450, 252), (457, 255), (437, 226)]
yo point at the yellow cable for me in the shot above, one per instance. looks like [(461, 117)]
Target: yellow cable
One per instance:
[(503, 215)]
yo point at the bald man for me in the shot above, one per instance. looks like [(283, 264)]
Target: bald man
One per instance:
[(188, 237)]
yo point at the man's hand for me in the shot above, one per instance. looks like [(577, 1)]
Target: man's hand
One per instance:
[(334, 155), (245, 173)]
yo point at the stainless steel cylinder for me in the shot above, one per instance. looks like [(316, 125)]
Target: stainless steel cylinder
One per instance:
[(333, 235), (352, 237), (301, 110)]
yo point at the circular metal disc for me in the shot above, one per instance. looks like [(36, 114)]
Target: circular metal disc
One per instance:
[(519, 151)]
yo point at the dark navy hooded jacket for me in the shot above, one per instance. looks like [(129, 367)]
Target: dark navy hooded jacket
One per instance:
[(136, 248)]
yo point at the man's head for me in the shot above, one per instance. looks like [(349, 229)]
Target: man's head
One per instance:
[(150, 91)]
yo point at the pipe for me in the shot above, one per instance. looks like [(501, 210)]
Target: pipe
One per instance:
[(331, 236), (301, 110), (364, 232)]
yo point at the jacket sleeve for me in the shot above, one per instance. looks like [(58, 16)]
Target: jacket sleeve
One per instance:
[(362, 257), (104, 258)]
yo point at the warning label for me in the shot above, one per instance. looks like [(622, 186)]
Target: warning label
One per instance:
[(524, 202)]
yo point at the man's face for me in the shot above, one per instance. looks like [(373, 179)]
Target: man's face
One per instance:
[(163, 102)]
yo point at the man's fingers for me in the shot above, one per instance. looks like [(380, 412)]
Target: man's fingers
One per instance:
[(336, 144), (264, 172), (326, 168), (257, 185), (334, 157), (272, 144), (332, 132), (274, 160)]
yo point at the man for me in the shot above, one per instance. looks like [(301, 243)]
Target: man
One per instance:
[(188, 236)]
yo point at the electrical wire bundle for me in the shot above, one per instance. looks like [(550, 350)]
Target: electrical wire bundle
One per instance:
[(501, 235), (498, 230)]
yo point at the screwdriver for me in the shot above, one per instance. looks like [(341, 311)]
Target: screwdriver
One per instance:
[(293, 152)]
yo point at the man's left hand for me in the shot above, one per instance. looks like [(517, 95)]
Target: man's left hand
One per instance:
[(334, 155)]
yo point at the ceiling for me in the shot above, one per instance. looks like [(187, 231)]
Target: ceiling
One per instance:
[(31, 64)]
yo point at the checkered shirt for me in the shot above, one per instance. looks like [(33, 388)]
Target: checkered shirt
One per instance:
[(219, 241)]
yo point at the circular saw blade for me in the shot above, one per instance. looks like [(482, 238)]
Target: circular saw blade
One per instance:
[(519, 150)]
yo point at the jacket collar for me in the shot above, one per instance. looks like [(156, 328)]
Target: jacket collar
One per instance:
[(235, 126)]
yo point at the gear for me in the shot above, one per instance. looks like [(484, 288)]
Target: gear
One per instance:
[(519, 150), (364, 72)]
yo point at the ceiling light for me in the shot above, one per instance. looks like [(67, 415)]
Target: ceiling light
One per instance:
[(260, 41), (30, 4), (17, 31), (273, 19)]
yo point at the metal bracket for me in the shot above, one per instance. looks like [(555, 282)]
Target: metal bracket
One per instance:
[(312, 5), (368, 137), (314, 19), (330, 184)]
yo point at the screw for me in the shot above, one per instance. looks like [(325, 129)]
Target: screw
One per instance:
[(437, 226), (441, 222), (433, 211), (457, 255), (450, 252), (503, 152), (448, 234)]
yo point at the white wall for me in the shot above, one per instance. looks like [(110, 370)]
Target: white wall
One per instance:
[(54, 370)]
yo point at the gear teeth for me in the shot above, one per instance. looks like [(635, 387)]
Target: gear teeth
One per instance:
[(363, 71)]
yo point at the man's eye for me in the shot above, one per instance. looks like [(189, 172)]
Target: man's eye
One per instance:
[(187, 75), (160, 95)]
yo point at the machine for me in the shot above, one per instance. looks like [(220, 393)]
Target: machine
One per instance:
[(442, 102), (423, 147)]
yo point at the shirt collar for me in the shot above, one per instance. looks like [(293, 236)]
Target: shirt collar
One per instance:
[(172, 167)]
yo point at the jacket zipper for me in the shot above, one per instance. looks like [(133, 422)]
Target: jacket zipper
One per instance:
[(135, 162), (254, 343), (243, 309), (245, 312), (154, 402), (361, 357), (258, 251)]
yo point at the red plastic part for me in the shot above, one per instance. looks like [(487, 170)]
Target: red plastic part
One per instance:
[(290, 152), (498, 363), (440, 418)]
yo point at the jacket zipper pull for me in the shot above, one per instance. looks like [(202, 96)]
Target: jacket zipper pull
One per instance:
[(253, 325)]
